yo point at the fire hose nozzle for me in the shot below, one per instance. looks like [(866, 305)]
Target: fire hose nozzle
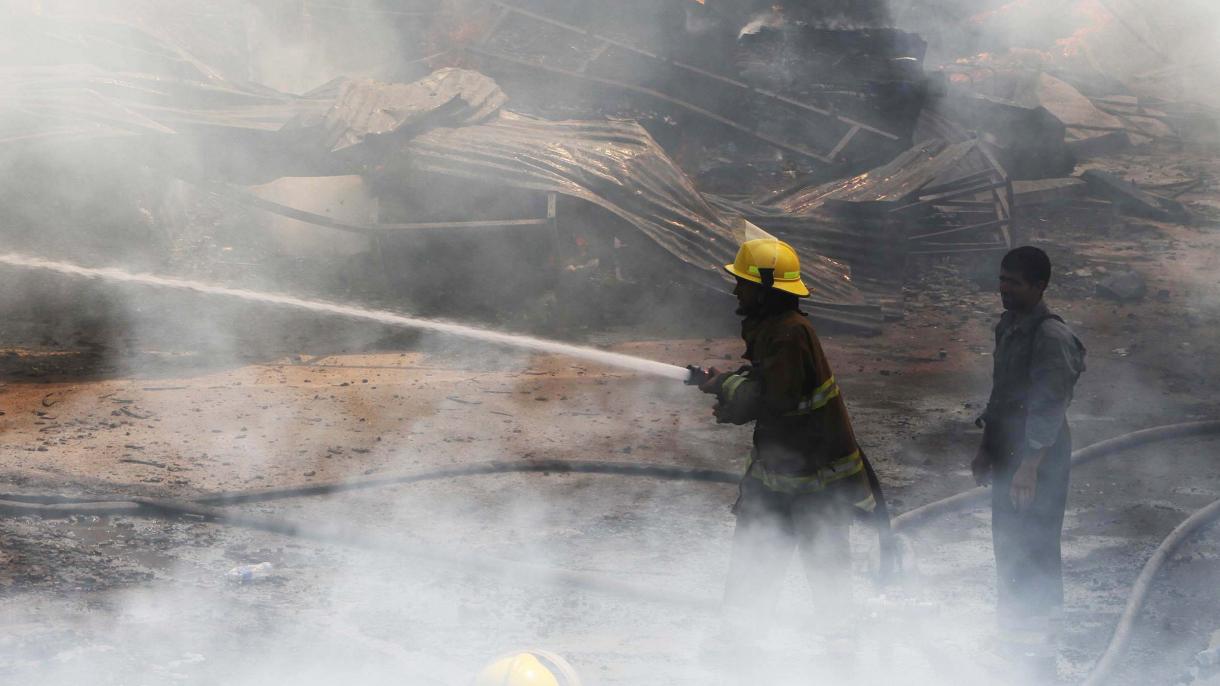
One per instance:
[(698, 375)]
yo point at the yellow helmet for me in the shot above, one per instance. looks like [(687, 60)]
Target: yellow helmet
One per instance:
[(758, 256), (531, 668)]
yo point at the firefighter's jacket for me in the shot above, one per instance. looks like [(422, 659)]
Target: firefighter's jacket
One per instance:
[(803, 438)]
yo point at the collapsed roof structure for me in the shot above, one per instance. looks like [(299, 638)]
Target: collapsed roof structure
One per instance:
[(834, 139)]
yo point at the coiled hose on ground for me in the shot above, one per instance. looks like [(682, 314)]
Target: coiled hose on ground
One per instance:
[(52, 505)]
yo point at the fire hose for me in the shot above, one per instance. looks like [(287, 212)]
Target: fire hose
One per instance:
[(1080, 457), (53, 505), (1143, 584)]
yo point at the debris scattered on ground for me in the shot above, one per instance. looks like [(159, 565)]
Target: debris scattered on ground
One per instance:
[(248, 573), (1048, 192), (1124, 286), (1131, 199)]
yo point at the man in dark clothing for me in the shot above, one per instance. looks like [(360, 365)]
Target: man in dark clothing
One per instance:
[(1026, 450), (806, 472)]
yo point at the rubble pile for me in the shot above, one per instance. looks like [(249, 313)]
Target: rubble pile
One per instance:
[(584, 133)]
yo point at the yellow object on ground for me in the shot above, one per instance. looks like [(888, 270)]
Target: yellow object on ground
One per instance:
[(532, 668)]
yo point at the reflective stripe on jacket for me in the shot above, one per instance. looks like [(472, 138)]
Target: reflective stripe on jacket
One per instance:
[(846, 468)]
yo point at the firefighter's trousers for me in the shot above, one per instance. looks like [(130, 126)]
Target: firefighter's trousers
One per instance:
[(769, 526)]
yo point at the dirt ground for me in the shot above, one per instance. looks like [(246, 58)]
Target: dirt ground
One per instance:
[(126, 600)]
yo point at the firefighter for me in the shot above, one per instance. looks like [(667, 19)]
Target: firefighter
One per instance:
[(1026, 455), (806, 476), (530, 668)]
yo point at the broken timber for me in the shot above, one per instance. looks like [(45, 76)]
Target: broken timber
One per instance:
[(832, 139), (1132, 199), (978, 204), (375, 230), (935, 199), (931, 191)]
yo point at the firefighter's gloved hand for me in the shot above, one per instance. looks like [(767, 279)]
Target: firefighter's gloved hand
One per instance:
[(715, 379), (726, 414), (731, 413)]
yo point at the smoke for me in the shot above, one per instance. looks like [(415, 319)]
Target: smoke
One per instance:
[(289, 397), (1166, 53), (382, 618)]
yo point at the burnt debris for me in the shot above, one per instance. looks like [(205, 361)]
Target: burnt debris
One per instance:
[(591, 134)]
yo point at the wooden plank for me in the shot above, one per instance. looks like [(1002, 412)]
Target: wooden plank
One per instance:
[(956, 183), (1004, 208), (482, 224), (1010, 230), (596, 55), (998, 247), (494, 26), (956, 216), (932, 200), (1001, 214), (961, 229), (851, 133), (932, 245), (979, 204), (1007, 203)]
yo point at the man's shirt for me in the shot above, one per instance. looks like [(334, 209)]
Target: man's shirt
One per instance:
[(1037, 362)]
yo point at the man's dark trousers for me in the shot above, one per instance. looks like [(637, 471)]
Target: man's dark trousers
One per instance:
[(1029, 562)]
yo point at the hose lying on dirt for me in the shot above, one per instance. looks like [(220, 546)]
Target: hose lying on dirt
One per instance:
[(633, 469), (56, 505), (1139, 592), (14, 503), (509, 570), (1085, 455), (59, 506)]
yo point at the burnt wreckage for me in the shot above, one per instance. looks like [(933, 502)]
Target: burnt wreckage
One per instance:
[(653, 133)]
